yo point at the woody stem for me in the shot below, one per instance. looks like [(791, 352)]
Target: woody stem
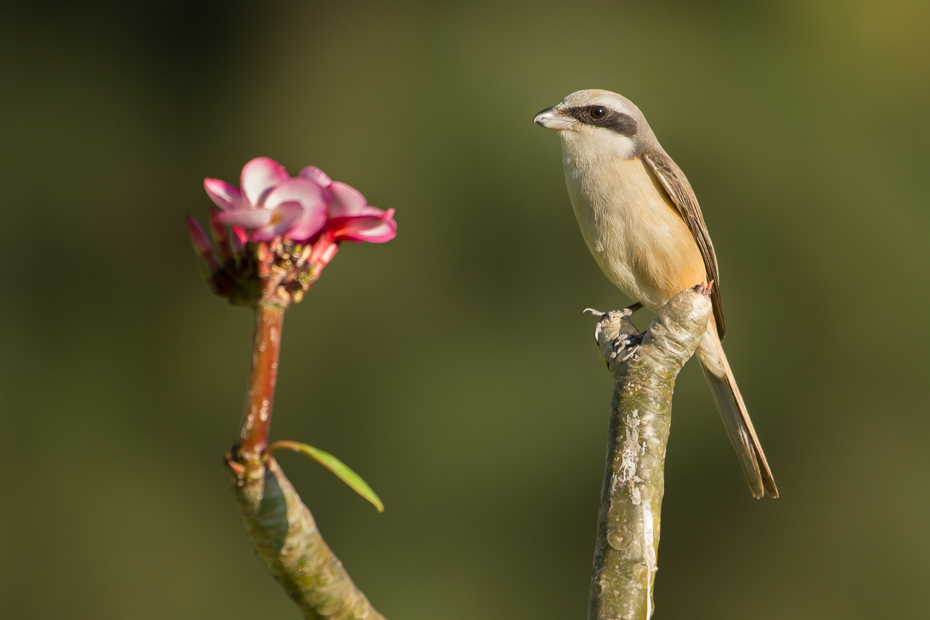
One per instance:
[(626, 551)]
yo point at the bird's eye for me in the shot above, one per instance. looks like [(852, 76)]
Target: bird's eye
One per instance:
[(598, 112)]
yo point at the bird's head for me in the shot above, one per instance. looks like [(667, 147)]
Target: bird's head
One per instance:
[(597, 121)]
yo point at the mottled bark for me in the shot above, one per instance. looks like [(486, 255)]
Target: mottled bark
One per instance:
[(287, 539), (640, 415)]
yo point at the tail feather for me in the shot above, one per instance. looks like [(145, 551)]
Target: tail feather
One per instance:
[(736, 418)]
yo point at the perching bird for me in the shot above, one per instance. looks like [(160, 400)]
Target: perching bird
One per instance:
[(641, 221)]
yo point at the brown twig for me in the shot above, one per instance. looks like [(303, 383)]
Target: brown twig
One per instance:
[(266, 346)]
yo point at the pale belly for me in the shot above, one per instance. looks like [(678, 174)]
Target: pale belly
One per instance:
[(635, 234)]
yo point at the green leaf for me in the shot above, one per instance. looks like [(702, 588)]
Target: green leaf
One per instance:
[(334, 465)]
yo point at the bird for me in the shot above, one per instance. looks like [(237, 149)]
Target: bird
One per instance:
[(641, 221)]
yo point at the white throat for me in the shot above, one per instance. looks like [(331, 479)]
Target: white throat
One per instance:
[(592, 143)]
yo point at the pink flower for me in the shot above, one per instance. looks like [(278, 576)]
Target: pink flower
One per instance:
[(271, 203), (310, 207), (306, 217), (349, 217)]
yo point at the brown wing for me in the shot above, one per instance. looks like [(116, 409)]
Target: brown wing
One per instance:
[(679, 190)]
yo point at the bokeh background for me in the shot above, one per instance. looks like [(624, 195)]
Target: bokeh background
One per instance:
[(453, 367)]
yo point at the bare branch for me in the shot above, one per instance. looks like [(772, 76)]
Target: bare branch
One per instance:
[(640, 415)]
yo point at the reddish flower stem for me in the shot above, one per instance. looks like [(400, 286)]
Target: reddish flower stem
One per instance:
[(266, 345)]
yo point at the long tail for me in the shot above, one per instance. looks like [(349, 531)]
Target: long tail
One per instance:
[(735, 417)]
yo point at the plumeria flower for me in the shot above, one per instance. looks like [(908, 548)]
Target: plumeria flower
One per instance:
[(349, 217), (270, 203), (294, 224)]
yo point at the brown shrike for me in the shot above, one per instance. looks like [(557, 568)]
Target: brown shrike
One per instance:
[(641, 221)]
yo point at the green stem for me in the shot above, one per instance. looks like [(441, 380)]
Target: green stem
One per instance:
[(625, 556)]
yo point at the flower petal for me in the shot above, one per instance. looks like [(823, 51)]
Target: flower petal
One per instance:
[(282, 219), (227, 197), (381, 233), (311, 221), (312, 199), (316, 175), (259, 177), (309, 194), (346, 200), (373, 229), (246, 218)]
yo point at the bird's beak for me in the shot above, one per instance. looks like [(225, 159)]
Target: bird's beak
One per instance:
[(550, 118)]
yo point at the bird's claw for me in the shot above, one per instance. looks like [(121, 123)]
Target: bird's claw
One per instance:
[(616, 336), (600, 324), (624, 347)]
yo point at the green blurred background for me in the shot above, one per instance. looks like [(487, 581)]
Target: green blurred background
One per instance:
[(453, 367)]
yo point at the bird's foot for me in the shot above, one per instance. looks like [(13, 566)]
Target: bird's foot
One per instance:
[(624, 347), (617, 337)]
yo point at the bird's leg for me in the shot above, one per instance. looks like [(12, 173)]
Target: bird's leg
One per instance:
[(634, 307), (624, 338)]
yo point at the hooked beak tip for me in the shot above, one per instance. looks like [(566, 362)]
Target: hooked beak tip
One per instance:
[(550, 118)]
